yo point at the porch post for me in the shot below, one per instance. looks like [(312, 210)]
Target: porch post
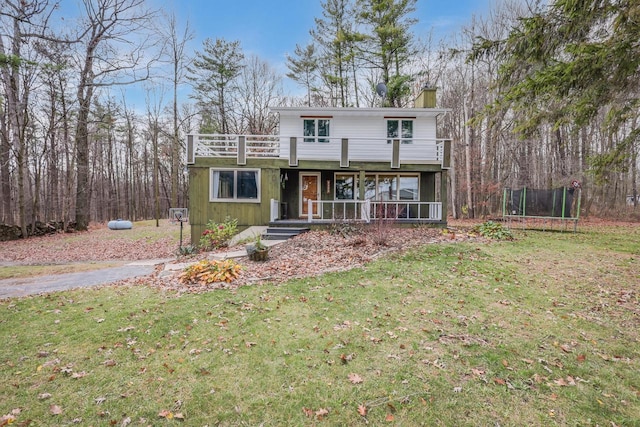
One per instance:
[(361, 186), (444, 199), (293, 151), (344, 154), (242, 150), (395, 155), (191, 153)]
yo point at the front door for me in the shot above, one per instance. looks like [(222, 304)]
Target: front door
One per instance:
[(310, 190)]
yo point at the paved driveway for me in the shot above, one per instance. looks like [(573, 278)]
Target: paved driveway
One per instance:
[(11, 288)]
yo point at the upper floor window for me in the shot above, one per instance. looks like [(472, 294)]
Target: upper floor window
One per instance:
[(235, 184), (316, 130), (400, 129)]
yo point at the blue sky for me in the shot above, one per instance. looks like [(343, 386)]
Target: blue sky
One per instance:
[(272, 28)]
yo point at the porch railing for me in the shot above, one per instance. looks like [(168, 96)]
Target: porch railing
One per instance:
[(274, 210), (367, 210)]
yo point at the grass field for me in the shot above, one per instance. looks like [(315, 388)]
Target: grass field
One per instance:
[(543, 330)]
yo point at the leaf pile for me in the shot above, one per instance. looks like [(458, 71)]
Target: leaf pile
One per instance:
[(206, 272)]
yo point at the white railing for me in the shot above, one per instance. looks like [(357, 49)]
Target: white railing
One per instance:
[(251, 146), (367, 210), (243, 147), (274, 210)]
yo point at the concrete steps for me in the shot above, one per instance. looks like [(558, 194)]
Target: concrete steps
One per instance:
[(282, 233)]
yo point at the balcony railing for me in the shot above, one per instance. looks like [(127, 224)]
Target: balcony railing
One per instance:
[(343, 150)]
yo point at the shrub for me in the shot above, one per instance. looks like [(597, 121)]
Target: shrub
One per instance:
[(381, 229), (187, 250), (493, 230), (206, 272), (346, 228), (217, 235)]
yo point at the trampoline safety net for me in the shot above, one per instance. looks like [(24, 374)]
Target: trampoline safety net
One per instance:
[(528, 202)]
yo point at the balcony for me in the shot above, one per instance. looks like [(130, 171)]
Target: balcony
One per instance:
[(342, 150)]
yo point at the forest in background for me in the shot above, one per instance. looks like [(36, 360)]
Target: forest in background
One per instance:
[(540, 95)]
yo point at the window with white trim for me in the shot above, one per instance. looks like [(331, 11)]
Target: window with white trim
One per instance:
[(234, 185), (316, 130), (400, 129)]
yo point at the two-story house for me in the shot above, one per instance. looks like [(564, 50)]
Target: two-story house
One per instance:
[(326, 165)]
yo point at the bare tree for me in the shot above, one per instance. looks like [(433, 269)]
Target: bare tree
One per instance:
[(176, 40), (154, 108), (259, 87), (22, 22), (113, 53)]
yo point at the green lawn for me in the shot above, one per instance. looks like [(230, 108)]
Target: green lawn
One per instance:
[(543, 330)]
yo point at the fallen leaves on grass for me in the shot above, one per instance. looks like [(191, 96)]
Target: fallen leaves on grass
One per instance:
[(478, 372), (362, 410), (170, 415), (97, 244), (355, 378), (565, 382), (9, 418), (318, 414)]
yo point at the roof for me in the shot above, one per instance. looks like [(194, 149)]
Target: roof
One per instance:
[(351, 111)]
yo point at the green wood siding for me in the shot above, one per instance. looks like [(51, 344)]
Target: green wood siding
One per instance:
[(247, 213)]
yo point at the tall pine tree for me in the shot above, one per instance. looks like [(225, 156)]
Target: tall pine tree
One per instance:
[(213, 72), (386, 43), (333, 34), (303, 68), (570, 62)]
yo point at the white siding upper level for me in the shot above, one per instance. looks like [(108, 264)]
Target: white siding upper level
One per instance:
[(366, 130), (355, 134)]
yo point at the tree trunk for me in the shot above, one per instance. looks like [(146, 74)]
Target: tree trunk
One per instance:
[(467, 152), (82, 161), (175, 143)]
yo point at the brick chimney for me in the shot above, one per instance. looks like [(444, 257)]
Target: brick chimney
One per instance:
[(427, 98)]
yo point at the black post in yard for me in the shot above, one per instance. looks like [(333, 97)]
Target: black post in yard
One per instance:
[(180, 248)]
